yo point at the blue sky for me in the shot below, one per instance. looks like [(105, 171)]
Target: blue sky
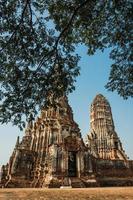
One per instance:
[(94, 76)]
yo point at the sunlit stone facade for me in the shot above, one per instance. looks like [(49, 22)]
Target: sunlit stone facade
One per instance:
[(52, 152)]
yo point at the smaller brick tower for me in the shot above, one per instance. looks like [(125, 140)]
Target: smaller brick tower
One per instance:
[(103, 140)]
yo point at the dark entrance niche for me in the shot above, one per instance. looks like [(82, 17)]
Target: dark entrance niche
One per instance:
[(116, 145), (72, 172)]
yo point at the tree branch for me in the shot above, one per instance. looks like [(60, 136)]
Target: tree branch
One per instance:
[(70, 21), (17, 26), (63, 32), (30, 9), (55, 48)]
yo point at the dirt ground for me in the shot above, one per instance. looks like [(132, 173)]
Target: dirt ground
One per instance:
[(125, 193)]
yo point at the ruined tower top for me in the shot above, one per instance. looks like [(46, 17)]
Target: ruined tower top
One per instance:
[(101, 115), (62, 112)]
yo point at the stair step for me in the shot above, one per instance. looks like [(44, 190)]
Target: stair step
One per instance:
[(77, 183)]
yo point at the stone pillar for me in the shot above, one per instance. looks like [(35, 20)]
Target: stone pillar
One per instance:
[(78, 164)]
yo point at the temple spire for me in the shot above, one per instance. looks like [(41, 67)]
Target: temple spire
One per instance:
[(103, 137)]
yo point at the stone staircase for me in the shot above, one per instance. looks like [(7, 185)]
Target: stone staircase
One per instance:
[(77, 182), (90, 181)]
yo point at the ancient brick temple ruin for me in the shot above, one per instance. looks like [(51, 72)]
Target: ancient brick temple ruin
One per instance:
[(103, 141), (52, 152)]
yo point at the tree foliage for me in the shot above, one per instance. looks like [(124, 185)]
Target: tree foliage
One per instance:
[(37, 46)]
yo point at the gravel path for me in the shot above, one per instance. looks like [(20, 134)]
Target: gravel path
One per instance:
[(125, 193)]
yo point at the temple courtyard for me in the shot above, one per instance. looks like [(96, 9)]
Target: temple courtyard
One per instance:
[(112, 193)]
